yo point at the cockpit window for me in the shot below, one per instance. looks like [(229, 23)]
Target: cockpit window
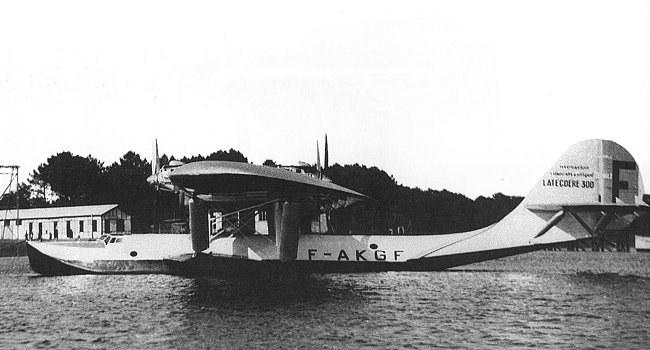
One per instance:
[(110, 239)]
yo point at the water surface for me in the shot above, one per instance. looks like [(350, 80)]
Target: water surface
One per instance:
[(543, 299)]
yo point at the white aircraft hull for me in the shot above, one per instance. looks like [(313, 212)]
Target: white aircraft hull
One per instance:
[(518, 233), (83, 257), (593, 189), (172, 254)]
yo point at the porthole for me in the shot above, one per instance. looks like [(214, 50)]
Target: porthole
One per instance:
[(374, 246), (133, 253)]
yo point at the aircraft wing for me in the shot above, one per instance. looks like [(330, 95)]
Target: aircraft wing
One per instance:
[(233, 181)]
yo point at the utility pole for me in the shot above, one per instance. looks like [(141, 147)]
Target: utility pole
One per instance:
[(14, 167)]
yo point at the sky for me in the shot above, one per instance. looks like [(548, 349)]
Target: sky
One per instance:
[(475, 97)]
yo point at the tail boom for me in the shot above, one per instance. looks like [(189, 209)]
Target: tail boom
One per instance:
[(595, 189)]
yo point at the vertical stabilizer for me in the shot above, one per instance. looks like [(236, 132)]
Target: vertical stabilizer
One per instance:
[(593, 190), (592, 172)]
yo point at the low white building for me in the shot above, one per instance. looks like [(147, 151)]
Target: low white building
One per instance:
[(88, 221)]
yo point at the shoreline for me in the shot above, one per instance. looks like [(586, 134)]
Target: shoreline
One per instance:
[(13, 248), (14, 265)]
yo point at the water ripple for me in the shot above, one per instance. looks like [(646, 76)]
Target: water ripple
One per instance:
[(535, 300)]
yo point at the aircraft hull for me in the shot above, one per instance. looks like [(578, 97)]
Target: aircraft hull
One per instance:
[(238, 258), (134, 254), (222, 266), (51, 266)]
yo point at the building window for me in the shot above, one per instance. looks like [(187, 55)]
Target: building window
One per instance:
[(7, 222), (119, 225), (94, 225), (68, 230), (81, 226), (31, 227), (19, 222), (107, 226), (40, 228), (262, 215)]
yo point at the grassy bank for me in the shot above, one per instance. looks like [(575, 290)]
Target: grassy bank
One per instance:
[(9, 247)]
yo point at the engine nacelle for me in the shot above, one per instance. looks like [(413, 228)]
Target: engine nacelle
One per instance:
[(199, 225)]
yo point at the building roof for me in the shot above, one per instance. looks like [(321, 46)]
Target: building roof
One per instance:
[(58, 212)]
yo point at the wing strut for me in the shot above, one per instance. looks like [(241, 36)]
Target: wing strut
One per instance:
[(552, 222), (599, 228)]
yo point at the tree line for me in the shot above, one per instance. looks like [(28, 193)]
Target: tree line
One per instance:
[(412, 210), (68, 179)]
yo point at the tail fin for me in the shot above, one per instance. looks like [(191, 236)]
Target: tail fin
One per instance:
[(590, 173), (594, 189)]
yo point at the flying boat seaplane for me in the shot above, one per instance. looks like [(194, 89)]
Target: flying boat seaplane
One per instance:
[(595, 189)]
